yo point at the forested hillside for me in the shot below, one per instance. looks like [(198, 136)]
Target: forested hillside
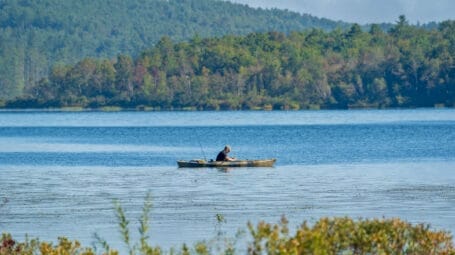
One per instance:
[(35, 35), (404, 67)]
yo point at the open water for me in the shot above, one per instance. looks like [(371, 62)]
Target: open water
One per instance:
[(61, 171)]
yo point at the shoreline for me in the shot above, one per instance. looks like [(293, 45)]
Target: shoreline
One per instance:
[(191, 109)]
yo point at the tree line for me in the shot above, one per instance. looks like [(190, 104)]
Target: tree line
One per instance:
[(406, 66), (35, 35)]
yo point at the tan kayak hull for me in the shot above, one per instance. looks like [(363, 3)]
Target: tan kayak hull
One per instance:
[(236, 163)]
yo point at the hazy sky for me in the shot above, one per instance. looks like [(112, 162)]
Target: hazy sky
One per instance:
[(366, 11)]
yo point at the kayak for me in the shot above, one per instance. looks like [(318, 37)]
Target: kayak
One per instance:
[(235, 163)]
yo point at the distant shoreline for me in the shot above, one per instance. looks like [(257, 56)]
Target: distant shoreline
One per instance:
[(191, 109)]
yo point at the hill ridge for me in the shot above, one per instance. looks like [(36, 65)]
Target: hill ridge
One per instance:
[(36, 35)]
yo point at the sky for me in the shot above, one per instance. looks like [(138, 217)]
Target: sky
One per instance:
[(365, 11)]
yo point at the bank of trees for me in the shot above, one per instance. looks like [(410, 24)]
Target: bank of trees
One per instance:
[(35, 35), (406, 66)]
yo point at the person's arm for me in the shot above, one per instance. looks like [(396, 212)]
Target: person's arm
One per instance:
[(230, 159)]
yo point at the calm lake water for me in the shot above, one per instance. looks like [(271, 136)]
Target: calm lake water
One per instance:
[(61, 171)]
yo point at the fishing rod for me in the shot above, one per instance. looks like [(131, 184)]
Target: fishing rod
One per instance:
[(203, 152)]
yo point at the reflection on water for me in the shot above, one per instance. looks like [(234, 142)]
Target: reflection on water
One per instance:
[(46, 147), (216, 118), (77, 201)]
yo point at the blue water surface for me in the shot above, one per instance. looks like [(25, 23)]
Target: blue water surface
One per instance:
[(60, 171)]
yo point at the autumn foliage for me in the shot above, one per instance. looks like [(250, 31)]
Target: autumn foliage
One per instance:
[(326, 236), (348, 236)]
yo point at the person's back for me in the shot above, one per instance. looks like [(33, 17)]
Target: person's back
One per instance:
[(223, 155)]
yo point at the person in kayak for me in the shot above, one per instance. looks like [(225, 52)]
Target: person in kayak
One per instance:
[(223, 155)]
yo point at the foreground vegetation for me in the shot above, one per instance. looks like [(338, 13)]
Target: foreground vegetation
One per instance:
[(326, 236), (404, 67)]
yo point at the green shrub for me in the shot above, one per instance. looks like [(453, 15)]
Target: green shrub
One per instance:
[(326, 236), (348, 236)]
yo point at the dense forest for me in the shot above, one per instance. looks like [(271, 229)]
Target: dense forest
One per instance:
[(35, 35), (406, 66)]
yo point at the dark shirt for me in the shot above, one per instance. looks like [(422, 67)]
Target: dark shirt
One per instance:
[(221, 156)]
